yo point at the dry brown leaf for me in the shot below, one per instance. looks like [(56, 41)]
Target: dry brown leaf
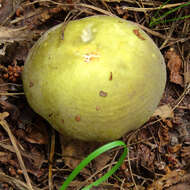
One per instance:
[(12, 34), (74, 151), (37, 172), (185, 152), (37, 134), (146, 155), (6, 127), (8, 8), (37, 157), (10, 108), (119, 10), (187, 76), (174, 65), (164, 111), (168, 123), (4, 157), (160, 165), (16, 183), (139, 187), (72, 155), (173, 161), (181, 186), (31, 128), (3, 88), (168, 180), (174, 149), (3, 115), (164, 137), (102, 160)]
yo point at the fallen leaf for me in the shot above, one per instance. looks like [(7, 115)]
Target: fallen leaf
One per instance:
[(146, 156), (12, 172), (6, 10), (187, 77), (164, 138), (72, 155), (37, 133), (102, 160), (174, 64), (4, 157), (32, 128), (167, 180), (160, 165), (164, 111), (139, 187), (185, 152), (174, 149), (173, 161), (119, 10), (181, 186), (74, 151), (3, 115), (11, 109), (3, 87), (169, 123), (14, 34)]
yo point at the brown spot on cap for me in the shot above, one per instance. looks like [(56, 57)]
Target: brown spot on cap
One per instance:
[(103, 94), (97, 108), (111, 76), (31, 84), (137, 33), (62, 121), (77, 118)]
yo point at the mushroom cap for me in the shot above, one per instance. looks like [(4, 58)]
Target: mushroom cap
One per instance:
[(95, 78)]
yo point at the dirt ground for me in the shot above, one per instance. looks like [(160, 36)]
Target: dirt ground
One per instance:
[(34, 156)]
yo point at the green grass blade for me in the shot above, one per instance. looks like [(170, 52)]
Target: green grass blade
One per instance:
[(158, 20), (173, 19), (93, 155)]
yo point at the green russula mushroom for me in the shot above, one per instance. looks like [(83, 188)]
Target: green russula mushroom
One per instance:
[(95, 78)]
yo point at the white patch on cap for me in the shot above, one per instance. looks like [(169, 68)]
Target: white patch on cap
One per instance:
[(87, 34)]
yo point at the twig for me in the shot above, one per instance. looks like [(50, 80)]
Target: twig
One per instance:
[(140, 9), (154, 32), (14, 182), (169, 35), (94, 174), (11, 94), (76, 4), (13, 34), (129, 163), (181, 40), (5, 125), (133, 2), (95, 8), (180, 99), (11, 149), (52, 150), (13, 84)]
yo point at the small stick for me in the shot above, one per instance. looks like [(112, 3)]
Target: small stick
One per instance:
[(5, 125)]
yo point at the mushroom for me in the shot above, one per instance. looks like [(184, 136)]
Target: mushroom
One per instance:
[(95, 78)]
